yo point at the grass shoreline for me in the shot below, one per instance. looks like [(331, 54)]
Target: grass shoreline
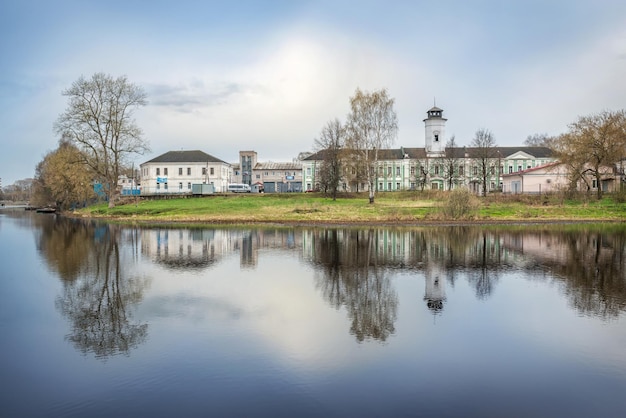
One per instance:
[(390, 209)]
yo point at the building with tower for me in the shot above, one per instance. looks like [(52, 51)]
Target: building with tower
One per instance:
[(432, 166)]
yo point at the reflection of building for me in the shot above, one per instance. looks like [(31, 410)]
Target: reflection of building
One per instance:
[(435, 292), (200, 248)]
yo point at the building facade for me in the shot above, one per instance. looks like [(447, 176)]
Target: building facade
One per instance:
[(270, 177), (175, 172), (434, 166)]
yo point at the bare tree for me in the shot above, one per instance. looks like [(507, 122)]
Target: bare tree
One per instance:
[(372, 125), (451, 161), (593, 146), (331, 143), (99, 120), (485, 154)]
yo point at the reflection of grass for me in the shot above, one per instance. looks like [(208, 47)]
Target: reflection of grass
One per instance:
[(401, 207)]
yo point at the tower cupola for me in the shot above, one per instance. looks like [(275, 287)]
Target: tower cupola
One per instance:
[(435, 125)]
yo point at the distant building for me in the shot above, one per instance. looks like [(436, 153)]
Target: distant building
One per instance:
[(428, 167), (270, 176), (554, 176), (176, 171)]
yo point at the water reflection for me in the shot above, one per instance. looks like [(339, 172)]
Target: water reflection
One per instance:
[(590, 265), (353, 276), (354, 268), (98, 292)]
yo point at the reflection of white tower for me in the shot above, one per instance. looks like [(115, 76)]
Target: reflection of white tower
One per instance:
[(435, 126), (435, 293)]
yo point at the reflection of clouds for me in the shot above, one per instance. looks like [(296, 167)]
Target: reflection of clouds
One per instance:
[(200, 307)]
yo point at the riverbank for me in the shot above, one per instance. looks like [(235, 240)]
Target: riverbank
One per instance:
[(389, 209)]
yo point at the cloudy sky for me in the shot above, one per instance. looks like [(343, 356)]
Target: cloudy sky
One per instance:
[(225, 76)]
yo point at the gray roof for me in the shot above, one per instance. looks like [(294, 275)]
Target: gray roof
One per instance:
[(457, 152), (194, 156)]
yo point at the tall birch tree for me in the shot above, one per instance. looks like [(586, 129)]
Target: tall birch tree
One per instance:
[(372, 125)]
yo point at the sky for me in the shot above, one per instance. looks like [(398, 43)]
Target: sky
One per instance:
[(226, 76)]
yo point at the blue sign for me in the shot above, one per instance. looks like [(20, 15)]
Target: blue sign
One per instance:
[(289, 177), (161, 179)]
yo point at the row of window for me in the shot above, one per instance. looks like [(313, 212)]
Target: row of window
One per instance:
[(180, 171), (180, 186), (437, 170)]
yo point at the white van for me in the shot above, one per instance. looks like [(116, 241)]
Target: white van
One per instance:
[(239, 188)]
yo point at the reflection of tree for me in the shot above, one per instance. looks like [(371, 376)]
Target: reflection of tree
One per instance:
[(482, 277), (352, 277), (67, 245), (98, 293), (594, 276)]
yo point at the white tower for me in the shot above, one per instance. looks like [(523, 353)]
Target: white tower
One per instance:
[(435, 125)]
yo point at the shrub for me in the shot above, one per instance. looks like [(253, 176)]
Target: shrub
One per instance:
[(460, 204)]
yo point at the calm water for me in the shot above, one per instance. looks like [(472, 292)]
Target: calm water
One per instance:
[(106, 321)]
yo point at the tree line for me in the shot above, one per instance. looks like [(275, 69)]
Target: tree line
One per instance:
[(98, 134)]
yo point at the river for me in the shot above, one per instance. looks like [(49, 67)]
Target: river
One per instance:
[(103, 320)]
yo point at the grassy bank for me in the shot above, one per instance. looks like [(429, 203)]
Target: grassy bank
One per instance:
[(403, 207)]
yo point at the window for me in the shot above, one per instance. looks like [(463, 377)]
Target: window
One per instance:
[(165, 171), (397, 186), (212, 171), (258, 176), (189, 186), (397, 171), (180, 171), (510, 169), (434, 186), (475, 170), (308, 171), (519, 168), (388, 171), (158, 171), (165, 187), (461, 169), (188, 171), (203, 171), (412, 171), (180, 186), (266, 173), (492, 170), (436, 137), (388, 186), (380, 186), (158, 186), (436, 170)]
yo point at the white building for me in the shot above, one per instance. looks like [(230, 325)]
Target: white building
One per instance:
[(433, 166), (176, 171)]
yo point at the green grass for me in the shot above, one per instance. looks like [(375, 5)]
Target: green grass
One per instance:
[(399, 207)]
